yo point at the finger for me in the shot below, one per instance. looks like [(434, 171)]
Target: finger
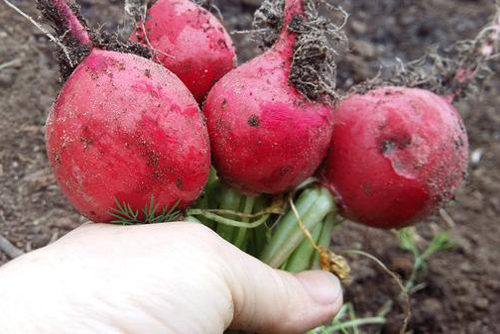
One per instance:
[(266, 300)]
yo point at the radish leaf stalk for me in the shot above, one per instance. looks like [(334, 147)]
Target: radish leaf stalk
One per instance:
[(240, 238), (324, 239), (312, 206), (228, 222), (230, 200), (303, 256)]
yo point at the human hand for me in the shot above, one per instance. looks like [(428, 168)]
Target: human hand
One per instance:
[(162, 278)]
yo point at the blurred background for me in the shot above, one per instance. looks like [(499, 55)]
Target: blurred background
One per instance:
[(459, 287)]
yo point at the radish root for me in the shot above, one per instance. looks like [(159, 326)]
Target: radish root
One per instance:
[(318, 39), (329, 261), (458, 71), (313, 69), (42, 29), (398, 281)]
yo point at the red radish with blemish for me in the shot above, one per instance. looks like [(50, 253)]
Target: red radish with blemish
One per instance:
[(123, 128), (400, 153), (396, 155), (189, 41)]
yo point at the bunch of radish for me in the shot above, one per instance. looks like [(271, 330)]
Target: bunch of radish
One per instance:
[(135, 129)]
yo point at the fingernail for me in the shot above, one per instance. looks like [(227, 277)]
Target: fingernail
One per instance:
[(323, 287)]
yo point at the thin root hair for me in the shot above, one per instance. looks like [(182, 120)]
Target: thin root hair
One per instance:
[(313, 66), (43, 30)]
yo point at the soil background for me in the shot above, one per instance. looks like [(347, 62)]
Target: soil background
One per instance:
[(461, 286)]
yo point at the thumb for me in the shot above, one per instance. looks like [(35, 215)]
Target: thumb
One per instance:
[(266, 300)]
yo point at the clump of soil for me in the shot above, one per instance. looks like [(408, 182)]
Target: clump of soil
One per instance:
[(461, 285), (75, 51)]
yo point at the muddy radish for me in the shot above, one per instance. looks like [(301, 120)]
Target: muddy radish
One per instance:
[(396, 155), (122, 127), (267, 135)]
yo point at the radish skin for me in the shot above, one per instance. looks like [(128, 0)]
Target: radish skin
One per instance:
[(123, 128), (266, 136), (189, 41), (396, 155), (78, 31)]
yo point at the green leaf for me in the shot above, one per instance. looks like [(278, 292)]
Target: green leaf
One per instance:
[(126, 215), (440, 242), (406, 237)]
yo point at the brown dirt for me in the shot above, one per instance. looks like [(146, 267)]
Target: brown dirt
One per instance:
[(461, 285)]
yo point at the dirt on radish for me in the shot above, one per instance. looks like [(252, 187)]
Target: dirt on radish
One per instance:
[(462, 285), (397, 155)]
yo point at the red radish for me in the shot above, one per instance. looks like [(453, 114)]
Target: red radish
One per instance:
[(399, 153), (266, 136), (125, 128), (396, 155), (188, 40)]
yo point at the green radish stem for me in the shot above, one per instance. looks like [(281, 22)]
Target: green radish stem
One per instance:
[(287, 223), (226, 221), (301, 259), (230, 200), (241, 234), (312, 206), (258, 238), (204, 204), (212, 177), (214, 198), (325, 237), (215, 215), (207, 196), (284, 265)]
